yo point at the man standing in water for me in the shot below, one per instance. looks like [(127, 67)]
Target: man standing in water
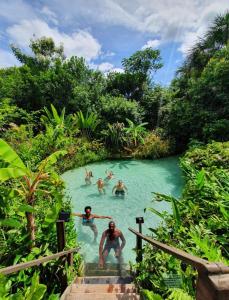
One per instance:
[(112, 236), (119, 188), (88, 220)]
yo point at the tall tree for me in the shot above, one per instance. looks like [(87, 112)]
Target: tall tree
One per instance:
[(143, 61), (45, 53)]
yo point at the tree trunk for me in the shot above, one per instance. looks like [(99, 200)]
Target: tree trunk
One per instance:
[(31, 227)]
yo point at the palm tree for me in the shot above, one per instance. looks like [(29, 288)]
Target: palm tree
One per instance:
[(216, 38), (29, 180), (136, 132), (218, 34)]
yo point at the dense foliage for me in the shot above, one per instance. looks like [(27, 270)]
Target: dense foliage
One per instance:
[(197, 225), (52, 106)]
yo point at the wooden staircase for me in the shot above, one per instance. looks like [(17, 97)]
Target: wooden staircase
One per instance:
[(101, 288), (102, 284)]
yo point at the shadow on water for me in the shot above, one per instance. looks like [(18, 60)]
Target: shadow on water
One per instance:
[(95, 195), (116, 198), (125, 164), (84, 186)]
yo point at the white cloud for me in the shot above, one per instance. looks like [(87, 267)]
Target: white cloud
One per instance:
[(152, 43), (105, 67), (15, 10), (172, 21), (117, 70), (7, 59), (107, 54), (79, 43), (50, 14)]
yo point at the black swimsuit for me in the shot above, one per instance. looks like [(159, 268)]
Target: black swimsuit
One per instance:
[(122, 192)]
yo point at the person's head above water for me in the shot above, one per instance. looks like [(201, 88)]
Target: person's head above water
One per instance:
[(111, 226), (90, 174), (120, 182), (87, 210)]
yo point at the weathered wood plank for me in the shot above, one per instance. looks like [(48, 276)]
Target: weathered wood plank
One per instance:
[(200, 264), (35, 262)]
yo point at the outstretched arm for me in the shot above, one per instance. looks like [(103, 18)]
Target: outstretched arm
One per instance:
[(77, 215), (101, 217)]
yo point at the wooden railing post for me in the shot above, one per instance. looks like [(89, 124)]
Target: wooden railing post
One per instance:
[(212, 284), (139, 221), (60, 230), (213, 278), (61, 241)]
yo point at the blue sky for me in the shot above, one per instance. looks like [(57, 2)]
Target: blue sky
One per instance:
[(105, 31)]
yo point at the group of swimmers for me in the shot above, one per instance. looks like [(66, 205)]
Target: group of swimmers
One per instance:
[(119, 188), (110, 236)]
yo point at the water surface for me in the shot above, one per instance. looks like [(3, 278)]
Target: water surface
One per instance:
[(142, 177)]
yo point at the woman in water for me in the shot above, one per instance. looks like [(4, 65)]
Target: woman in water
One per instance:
[(119, 188), (110, 175), (88, 176), (88, 220), (100, 185)]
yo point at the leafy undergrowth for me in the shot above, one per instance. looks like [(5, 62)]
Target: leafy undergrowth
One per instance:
[(198, 225)]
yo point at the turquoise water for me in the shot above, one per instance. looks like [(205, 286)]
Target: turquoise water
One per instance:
[(142, 177)]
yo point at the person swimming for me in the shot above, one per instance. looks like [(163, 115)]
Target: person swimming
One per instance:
[(119, 188), (112, 236), (100, 185), (88, 176), (110, 175), (88, 220)]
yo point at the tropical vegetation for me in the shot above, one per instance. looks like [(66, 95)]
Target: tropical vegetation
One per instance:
[(52, 107)]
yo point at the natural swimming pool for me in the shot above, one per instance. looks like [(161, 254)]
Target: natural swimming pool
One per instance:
[(142, 177)]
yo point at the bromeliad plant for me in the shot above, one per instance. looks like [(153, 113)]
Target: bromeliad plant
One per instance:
[(29, 180), (87, 124)]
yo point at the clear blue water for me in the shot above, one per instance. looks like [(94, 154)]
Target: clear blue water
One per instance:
[(142, 177)]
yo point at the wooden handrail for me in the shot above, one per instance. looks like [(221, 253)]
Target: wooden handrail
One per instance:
[(36, 262), (200, 264), (213, 278)]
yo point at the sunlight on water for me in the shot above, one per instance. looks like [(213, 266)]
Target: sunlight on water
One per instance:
[(142, 177)]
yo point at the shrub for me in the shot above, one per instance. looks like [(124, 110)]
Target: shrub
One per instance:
[(153, 147), (118, 109)]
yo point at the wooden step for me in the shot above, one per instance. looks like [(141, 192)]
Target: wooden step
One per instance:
[(103, 288), (92, 269), (103, 280), (102, 296)]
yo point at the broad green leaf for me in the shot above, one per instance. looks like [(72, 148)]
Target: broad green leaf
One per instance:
[(156, 212), (55, 114), (26, 208), (10, 223), (51, 159), (200, 178), (179, 294), (149, 295), (9, 173), (8, 155)]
